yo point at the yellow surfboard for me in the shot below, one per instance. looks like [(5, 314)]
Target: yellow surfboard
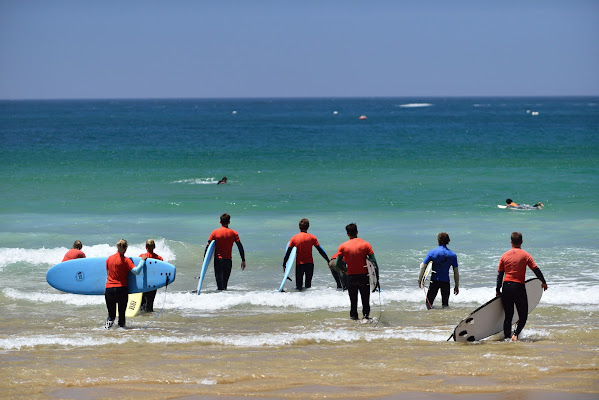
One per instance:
[(133, 305)]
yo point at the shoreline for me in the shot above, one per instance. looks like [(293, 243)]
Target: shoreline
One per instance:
[(320, 392)]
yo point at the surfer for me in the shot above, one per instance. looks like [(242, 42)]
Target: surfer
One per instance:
[(338, 274), (222, 181), (511, 275), (75, 252), (511, 204), (147, 299), (224, 238), (442, 259), (117, 291), (304, 264), (354, 252)]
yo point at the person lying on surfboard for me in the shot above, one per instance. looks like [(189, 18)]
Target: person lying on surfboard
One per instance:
[(511, 204), (304, 264), (511, 276)]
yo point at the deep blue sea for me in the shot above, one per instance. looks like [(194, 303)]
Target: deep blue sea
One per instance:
[(101, 170)]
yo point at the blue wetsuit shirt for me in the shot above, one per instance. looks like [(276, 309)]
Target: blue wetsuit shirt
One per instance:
[(442, 259)]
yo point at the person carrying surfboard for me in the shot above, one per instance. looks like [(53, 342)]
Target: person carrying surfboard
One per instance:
[(304, 264), (338, 274), (224, 238), (355, 252), (117, 291), (147, 298), (75, 252), (511, 276), (442, 259)]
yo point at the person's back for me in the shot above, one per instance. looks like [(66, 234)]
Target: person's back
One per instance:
[(443, 259), (304, 264), (354, 252), (304, 242), (75, 252), (224, 238)]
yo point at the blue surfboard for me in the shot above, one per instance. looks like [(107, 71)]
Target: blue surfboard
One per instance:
[(88, 276), (207, 259), (288, 266)]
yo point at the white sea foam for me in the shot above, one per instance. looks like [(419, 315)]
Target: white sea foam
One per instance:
[(55, 255), (198, 181), (415, 105), (331, 335)]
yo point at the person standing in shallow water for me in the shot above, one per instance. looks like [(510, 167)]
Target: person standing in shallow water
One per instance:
[(442, 259), (147, 299), (224, 238), (117, 290), (75, 252), (354, 252), (304, 264), (511, 276)]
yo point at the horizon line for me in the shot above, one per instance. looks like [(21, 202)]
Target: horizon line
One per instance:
[(296, 97)]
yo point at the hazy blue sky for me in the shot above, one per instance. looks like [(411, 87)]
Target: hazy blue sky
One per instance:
[(304, 48)]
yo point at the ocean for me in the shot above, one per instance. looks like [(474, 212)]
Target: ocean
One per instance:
[(102, 170)]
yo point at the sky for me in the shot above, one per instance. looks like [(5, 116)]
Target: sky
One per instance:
[(80, 49)]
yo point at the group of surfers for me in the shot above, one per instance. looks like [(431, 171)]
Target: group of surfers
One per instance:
[(348, 267)]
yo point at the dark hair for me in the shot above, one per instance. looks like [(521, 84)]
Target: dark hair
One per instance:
[(508, 201), (516, 238), (351, 229), (77, 245), (304, 224), (225, 219), (443, 239)]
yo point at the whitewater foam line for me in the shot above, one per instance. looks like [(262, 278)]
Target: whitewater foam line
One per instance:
[(415, 105), (275, 339), (316, 299), (52, 256), (197, 181)]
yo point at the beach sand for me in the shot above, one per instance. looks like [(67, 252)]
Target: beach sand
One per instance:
[(376, 369)]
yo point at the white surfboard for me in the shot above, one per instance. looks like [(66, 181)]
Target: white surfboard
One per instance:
[(207, 259), (488, 319), (371, 274), (425, 276), (288, 266)]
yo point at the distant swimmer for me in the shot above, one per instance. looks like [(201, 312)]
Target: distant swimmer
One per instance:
[(74, 252), (222, 181), (511, 277), (442, 259), (511, 204), (304, 264)]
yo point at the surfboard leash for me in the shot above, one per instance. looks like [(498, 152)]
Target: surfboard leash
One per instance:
[(159, 312), (380, 307)]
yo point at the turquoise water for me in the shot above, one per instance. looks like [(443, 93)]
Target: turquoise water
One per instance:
[(99, 171)]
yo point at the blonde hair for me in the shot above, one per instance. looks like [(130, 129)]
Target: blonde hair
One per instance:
[(150, 244), (122, 244)]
